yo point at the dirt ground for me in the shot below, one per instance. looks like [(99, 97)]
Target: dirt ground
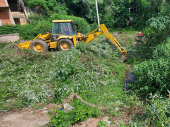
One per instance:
[(41, 119), (27, 117)]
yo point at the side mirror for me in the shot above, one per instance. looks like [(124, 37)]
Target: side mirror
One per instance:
[(50, 31)]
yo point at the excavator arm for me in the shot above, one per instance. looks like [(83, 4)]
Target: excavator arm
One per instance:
[(103, 30)]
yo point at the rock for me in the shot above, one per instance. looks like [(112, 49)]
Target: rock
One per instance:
[(45, 111), (9, 38), (67, 107)]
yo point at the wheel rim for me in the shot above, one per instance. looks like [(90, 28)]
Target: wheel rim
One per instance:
[(64, 46), (38, 47)]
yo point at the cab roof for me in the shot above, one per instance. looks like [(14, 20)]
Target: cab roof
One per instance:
[(62, 21)]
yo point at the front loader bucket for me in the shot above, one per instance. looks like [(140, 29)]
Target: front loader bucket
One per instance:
[(122, 58), (24, 45)]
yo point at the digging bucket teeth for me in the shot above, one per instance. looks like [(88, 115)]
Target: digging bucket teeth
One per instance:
[(24, 45), (123, 58)]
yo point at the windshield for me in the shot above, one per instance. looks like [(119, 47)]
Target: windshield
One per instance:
[(63, 28)]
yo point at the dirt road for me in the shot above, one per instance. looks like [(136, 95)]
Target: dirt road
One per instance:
[(27, 117)]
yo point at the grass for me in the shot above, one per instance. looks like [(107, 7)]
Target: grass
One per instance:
[(91, 70)]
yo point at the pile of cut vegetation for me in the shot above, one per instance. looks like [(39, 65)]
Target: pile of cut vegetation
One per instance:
[(91, 70)]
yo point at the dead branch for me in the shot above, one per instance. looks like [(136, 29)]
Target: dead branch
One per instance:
[(74, 95)]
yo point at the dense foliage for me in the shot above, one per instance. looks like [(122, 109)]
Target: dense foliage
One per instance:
[(157, 29), (28, 31), (153, 77), (153, 74)]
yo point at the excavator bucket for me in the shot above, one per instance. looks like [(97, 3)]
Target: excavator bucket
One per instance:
[(122, 58), (24, 45)]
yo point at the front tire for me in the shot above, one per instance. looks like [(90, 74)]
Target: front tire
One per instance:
[(39, 46), (64, 44)]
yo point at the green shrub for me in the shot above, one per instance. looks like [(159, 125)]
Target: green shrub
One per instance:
[(31, 30), (157, 112), (48, 6), (153, 77), (157, 30), (28, 31), (162, 50), (102, 124), (93, 26), (79, 114), (8, 29)]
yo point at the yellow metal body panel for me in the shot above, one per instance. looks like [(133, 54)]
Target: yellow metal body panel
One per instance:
[(113, 40), (44, 36), (74, 40), (25, 45), (52, 44), (91, 36), (62, 21), (64, 37)]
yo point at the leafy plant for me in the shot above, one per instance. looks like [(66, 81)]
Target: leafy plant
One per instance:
[(79, 114), (153, 77), (8, 29), (162, 50), (157, 29), (157, 112), (102, 124), (48, 6)]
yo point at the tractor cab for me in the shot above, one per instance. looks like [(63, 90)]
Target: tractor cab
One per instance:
[(62, 28)]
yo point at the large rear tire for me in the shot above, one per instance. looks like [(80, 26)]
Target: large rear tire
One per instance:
[(64, 44), (39, 46)]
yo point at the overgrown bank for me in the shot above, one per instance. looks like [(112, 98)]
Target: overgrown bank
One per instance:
[(93, 71)]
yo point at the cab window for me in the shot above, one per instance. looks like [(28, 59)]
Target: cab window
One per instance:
[(56, 28)]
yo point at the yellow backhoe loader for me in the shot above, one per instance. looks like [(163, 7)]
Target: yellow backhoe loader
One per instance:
[(63, 37)]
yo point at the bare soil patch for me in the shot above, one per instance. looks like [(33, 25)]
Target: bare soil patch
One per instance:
[(27, 117)]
